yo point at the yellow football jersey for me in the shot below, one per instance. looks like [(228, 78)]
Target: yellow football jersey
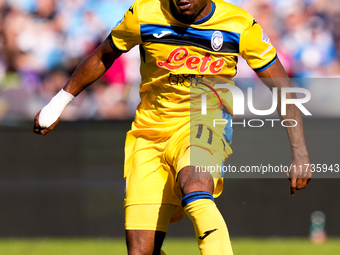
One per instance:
[(175, 60), (174, 53)]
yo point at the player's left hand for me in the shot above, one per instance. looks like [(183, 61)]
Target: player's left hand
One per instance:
[(299, 174)]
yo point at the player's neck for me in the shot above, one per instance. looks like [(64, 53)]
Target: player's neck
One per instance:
[(205, 12)]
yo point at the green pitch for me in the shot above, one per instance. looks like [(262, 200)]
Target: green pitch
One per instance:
[(171, 246)]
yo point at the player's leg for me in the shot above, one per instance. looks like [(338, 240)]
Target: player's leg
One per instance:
[(144, 242), (149, 198), (198, 202), (146, 226), (191, 146)]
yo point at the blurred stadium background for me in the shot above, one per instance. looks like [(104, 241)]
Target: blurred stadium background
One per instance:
[(70, 183)]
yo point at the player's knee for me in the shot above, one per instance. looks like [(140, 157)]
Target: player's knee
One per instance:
[(192, 180)]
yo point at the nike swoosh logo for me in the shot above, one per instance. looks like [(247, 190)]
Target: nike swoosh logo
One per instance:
[(163, 33), (206, 233), (131, 9)]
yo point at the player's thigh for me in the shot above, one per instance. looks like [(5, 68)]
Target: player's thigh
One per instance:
[(202, 174), (154, 217), (149, 179), (201, 149)]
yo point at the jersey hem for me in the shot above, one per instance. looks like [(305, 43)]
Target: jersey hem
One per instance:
[(266, 65), (114, 47)]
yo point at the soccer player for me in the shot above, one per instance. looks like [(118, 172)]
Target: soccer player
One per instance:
[(181, 42)]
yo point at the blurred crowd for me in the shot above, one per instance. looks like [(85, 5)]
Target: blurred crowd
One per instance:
[(306, 34), (41, 44), (43, 41)]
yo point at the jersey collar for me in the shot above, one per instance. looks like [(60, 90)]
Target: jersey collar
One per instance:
[(206, 18)]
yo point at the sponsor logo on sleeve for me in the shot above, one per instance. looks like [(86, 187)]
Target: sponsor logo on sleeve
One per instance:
[(265, 38), (267, 50), (118, 23)]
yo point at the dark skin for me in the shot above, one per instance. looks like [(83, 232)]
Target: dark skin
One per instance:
[(189, 11), (276, 76), (93, 67), (90, 70)]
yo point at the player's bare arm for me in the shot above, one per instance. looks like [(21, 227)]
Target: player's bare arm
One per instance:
[(90, 70), (276, 76)]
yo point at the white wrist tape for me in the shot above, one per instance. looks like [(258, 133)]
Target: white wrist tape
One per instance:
[(52, 111)]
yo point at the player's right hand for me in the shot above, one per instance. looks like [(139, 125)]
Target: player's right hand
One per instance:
[(42, 130)]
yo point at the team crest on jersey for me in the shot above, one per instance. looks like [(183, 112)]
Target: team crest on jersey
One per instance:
[(265, 38), (217, 41)]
